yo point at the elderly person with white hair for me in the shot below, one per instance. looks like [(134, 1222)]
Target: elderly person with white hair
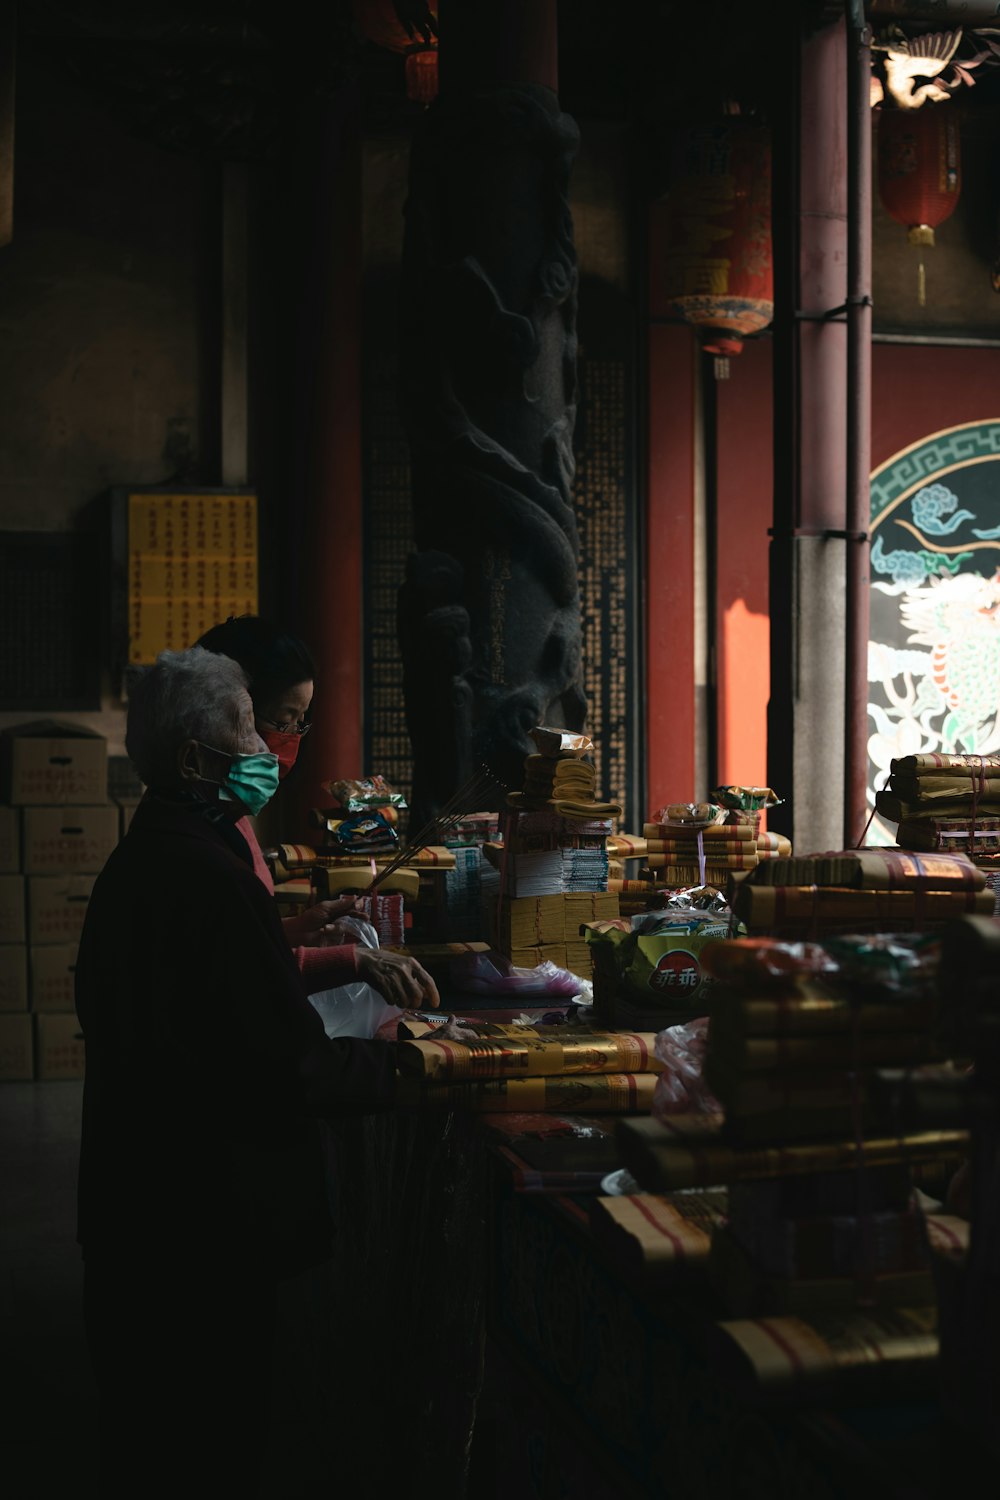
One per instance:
[(202, 1178)]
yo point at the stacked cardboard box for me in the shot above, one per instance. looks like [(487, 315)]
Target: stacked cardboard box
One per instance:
[(57, 828)]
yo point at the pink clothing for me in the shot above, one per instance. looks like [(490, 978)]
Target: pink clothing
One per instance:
[(321, 968)]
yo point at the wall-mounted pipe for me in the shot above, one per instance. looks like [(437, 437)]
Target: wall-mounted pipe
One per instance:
[(859, 387), (946, 12)]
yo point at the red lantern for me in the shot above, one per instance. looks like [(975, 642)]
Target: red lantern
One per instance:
[(920, 171), (380, 23), (717, 266)]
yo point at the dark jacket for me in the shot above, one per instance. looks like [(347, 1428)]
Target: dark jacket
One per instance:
[(206, 1064)]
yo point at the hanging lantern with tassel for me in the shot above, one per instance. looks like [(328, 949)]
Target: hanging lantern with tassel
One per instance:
[(920, 174), (717, 267), (379, 22)]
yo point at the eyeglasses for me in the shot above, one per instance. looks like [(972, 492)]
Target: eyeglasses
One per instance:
[(294, 726)]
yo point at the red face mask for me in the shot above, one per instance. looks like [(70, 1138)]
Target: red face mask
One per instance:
[(284, 745)]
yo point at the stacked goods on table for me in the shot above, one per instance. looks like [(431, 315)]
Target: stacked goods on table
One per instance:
[(553, 1153), (859, 890), (798, 1029), (699, 843), (542, 853), (365, 828), (548, 873), (560, 778), (688, 845), (659, 1239), (499, 1068), (362, 838), (824, 1258), (947, 804), (648, 970), (57, 828), (530, 930)]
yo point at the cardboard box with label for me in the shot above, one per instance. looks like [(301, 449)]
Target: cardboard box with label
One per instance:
[(53, 971), (59, 1050), (45, 763), (68, 840), (13, 977), (12, 926), (16, 1051), (10, 840), (57, 906)]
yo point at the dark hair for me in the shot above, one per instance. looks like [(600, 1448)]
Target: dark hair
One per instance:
[(272, 659)]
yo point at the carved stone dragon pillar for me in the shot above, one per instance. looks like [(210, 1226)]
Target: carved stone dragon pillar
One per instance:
[(489, 615)]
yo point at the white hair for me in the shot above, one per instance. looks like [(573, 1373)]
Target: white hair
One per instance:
[(185, 695)]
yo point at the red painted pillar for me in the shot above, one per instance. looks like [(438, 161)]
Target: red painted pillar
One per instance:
[(323, 467), (670, 541)]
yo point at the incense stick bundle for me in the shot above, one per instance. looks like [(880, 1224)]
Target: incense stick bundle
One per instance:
[(466, 800)]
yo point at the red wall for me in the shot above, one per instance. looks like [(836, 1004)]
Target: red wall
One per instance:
[(918, 390), (743, 505), (670, 568)]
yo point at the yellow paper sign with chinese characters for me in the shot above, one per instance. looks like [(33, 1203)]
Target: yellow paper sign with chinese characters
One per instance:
[(192, 562)]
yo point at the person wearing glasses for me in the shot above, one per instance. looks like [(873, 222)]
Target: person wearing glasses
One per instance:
[(281, 676), (202, 1183)]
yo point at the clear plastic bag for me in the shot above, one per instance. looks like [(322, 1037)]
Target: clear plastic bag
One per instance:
[(680, 1088), (493, 974), (355, 1009)]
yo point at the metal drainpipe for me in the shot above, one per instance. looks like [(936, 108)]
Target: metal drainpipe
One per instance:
[(859, 383)]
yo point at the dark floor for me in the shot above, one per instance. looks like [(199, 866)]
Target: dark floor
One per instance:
[(48, 1398)]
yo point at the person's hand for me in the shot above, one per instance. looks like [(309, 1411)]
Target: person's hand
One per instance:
[(319, 927), (398, 978)]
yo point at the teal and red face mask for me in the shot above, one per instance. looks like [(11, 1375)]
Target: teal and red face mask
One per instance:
[(250, 779), (285, 745)]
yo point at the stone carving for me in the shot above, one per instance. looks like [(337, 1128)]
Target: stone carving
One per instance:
[(489, 614)]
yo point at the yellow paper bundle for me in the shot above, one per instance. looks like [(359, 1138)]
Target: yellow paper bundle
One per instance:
[(662, 1159), (529, 1052)]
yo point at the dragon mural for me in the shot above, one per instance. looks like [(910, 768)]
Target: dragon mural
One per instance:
[(934, 652)]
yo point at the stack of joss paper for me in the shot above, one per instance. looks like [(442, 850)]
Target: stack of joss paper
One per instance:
[(798, 1029), (821, 1215), (530, 930), (682, 850), (542, 853), (567, 1069), (859, 890), (947, 804), (561, 778), (797, 1036), (659, 1239)]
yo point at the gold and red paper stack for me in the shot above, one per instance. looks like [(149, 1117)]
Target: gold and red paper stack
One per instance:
[(824, 1249), (948, 804), (530, 1068), (685, 854), (859, 890)]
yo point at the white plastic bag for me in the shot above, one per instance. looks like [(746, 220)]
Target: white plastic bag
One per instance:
[(354, 1009)]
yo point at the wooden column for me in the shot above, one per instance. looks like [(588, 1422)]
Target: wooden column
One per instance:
[(318, 500)]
